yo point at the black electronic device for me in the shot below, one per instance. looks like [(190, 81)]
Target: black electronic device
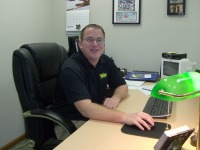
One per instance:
[(73, 45), (158, 108), (173, 55)]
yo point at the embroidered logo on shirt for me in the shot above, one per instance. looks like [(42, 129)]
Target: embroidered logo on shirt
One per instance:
[(103, 75)]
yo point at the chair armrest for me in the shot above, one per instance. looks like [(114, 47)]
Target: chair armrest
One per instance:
[(53, 116)]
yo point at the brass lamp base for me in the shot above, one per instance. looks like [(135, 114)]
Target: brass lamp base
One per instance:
[(193, 140)]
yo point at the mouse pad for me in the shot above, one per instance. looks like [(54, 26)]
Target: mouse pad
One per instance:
[(156, 131)]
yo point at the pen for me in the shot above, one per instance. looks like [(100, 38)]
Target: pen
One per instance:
[(146, 89)]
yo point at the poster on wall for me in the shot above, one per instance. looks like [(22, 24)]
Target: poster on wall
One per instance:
[(175, 7), (126, 12), (77, 14)]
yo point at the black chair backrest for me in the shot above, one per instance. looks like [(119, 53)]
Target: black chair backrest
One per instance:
[(35, 70)]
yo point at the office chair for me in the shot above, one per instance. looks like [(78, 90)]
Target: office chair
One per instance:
[(35, 70)]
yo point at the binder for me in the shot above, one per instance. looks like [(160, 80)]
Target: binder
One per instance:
[(149, 76)]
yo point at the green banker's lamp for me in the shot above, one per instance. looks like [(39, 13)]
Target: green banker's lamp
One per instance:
[(177, 88)]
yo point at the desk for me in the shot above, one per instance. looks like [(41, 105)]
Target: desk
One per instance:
[(101, 135)]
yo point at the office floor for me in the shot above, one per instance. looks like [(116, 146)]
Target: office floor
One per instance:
[(23, 145), (61, 134)]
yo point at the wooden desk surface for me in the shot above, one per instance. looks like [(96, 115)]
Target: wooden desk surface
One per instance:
[(101, 135)]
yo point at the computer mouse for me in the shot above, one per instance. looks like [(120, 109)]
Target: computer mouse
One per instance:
[(148, 125)]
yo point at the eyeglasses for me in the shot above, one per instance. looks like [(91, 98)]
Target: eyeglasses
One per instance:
[(99, 41)]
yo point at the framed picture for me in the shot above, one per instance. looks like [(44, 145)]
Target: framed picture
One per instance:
[(173, 138), (176, 7), (126, 12)]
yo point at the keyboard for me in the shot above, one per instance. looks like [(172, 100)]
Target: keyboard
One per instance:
[(158, 108)]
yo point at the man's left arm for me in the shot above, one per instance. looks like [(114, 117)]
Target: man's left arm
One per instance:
[(120, 93)]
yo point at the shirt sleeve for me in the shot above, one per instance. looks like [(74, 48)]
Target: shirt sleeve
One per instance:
[(73, 85)]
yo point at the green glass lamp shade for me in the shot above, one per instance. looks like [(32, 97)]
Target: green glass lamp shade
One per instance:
[(178, 87)]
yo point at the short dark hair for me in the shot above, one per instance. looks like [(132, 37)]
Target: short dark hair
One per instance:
[(95, 26)]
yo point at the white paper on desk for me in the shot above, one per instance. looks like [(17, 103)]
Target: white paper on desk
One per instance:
[(134, 84), (146, 92), (133, 87), (146, 89)]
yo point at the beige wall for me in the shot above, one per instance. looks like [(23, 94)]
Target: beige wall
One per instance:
[(23, 21), (140, 47)]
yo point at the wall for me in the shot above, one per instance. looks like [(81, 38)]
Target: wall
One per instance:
[(139, 47), (23, 21), (132, 46)]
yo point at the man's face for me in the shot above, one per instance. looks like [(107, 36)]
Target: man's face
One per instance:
[(92, 45)]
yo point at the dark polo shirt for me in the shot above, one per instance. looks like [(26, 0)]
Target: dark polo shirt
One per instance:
[(79, 80)]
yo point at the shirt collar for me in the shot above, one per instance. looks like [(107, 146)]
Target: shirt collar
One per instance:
[(86, 62)]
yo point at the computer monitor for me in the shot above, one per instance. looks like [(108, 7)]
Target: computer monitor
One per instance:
[(172, 66)]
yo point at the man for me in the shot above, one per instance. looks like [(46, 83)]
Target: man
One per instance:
[(83, 83)]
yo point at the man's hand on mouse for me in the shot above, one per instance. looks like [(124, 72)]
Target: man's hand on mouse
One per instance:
[(140, 119)]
